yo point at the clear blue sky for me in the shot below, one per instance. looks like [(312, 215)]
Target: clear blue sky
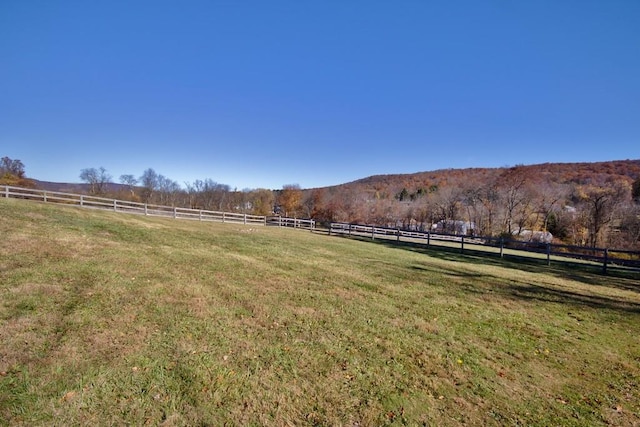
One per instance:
[(266, 93)]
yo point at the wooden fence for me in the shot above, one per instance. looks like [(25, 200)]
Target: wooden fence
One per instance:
[(604, 258), (281, 221), (124, 206)]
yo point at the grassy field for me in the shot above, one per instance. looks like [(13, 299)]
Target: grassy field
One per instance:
[(114, 319)]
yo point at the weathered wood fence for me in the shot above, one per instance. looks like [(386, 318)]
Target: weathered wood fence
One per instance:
[(124, 206), (605, 258)]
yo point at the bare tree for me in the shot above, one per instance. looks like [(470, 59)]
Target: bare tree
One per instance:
[(96, 178), (220, 194), (549, 203), (489, 198), (210, 195), (149, 182), (426, 213), (472, 204), (512, 189), (626, 225), (447, 201), (524, 215), (168, 190), (130, 181), (601, 204)]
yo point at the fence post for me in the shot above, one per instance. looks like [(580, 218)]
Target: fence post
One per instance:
[(200, 214), (45, 197), (115, 205), (222, 216), (373, 232), (605, 261), (398, 234), (548, 254), (175, 212), (501, 247), (349, 229), (145, 209), (81, 200), (428, 237), (462, 245), (245, 218)]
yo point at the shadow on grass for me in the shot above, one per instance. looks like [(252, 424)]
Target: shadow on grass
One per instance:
[(586, 274), (545, 293)]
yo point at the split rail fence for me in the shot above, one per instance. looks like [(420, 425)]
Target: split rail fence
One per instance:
[(604, 259), (124, 206)]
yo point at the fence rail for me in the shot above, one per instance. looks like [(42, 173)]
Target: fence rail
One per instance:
[(605, 258), (280, 221), (125, 206)]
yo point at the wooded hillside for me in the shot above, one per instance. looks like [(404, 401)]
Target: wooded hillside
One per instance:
[(579, 203), (587, 204)]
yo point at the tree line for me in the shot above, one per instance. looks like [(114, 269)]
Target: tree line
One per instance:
[(512, 202), (154, 188), (516, 202)]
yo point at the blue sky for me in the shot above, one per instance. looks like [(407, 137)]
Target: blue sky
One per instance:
[(266, 93)]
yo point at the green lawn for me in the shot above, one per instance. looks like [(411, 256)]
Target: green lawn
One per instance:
[(115, 319)]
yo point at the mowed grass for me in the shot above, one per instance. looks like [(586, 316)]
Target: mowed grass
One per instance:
[(114, 319)]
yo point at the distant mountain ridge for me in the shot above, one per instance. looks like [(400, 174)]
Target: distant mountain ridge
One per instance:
[(598, 173), (64, 187)]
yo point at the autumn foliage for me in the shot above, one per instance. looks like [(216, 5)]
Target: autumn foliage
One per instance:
[(12, 173), (586, 204)]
